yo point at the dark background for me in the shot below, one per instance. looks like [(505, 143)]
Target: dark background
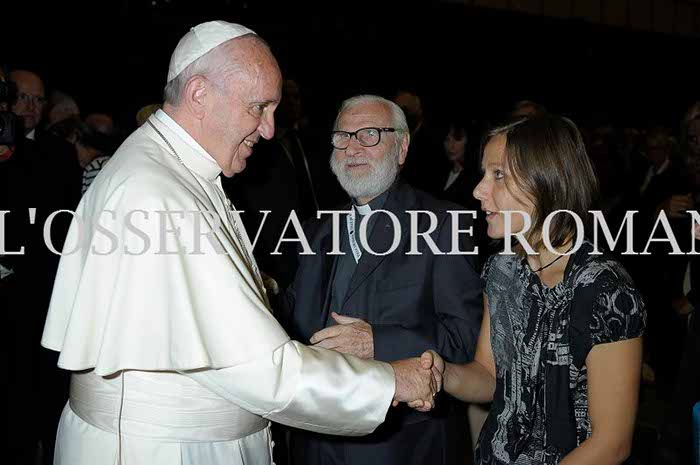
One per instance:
[(113, 56)]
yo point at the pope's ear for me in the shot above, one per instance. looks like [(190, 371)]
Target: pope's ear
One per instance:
[(195, 95)]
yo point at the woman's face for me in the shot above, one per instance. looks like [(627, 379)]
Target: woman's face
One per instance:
[(455, 145), (498, 192)]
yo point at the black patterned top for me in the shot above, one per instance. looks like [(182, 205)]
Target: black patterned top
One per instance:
[(540, 338)]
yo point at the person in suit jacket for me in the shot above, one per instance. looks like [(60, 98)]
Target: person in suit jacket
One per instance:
[(283, 177), (374, 300), (424, 162), (42, 173), (665, 186), (461, 147)]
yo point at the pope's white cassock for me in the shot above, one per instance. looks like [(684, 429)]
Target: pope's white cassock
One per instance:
[(176, 356)]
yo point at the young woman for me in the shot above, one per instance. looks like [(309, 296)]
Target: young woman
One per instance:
[(559, 353)]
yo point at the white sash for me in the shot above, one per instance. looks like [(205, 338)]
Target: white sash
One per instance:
[(163, 406)]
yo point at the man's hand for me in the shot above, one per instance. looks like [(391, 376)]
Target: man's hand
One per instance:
[(270, 284), (350, 336), (416, 382)]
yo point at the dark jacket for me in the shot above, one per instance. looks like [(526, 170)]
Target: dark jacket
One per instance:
[(413, 302)]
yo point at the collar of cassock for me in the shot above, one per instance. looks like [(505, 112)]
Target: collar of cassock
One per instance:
[(374, 204), (363, 209), (190, 152)]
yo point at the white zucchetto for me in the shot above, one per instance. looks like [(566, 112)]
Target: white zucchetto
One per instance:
[(200, 40)]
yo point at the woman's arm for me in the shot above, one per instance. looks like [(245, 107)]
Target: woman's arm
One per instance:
[(613, 391), (474, 381)]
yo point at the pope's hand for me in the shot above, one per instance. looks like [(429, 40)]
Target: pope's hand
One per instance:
[(416, 382), (430, 360), (350, 336)]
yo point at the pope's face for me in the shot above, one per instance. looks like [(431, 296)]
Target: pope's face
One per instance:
[(242, 110)]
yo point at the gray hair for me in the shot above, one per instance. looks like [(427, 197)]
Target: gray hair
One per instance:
[(61, 107), (385, 169), (398, 117), (215, 65)]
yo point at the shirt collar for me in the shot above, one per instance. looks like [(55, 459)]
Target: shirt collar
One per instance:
[(363, 210), (192, 154), (32, 134), (374, 204)]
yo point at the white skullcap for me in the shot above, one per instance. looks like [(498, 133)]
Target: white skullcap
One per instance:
[(200, 40)]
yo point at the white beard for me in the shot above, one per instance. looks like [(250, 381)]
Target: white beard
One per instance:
[(381, 176)]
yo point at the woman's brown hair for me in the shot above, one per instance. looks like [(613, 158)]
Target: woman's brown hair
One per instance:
[(548, 161)]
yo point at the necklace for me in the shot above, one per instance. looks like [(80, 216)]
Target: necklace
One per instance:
[(167, 142), (256, 272), (553, 261)]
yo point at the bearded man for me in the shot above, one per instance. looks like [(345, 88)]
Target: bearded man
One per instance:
[(369, 297)]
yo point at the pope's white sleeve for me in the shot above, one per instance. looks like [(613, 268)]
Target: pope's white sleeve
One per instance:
[(308, 387)]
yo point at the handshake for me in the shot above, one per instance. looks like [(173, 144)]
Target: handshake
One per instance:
[(418, 380)]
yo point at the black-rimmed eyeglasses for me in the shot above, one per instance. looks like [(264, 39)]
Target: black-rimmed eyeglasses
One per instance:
[(367, 137)]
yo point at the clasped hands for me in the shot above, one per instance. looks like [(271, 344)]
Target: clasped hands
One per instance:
[(417, 379)]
